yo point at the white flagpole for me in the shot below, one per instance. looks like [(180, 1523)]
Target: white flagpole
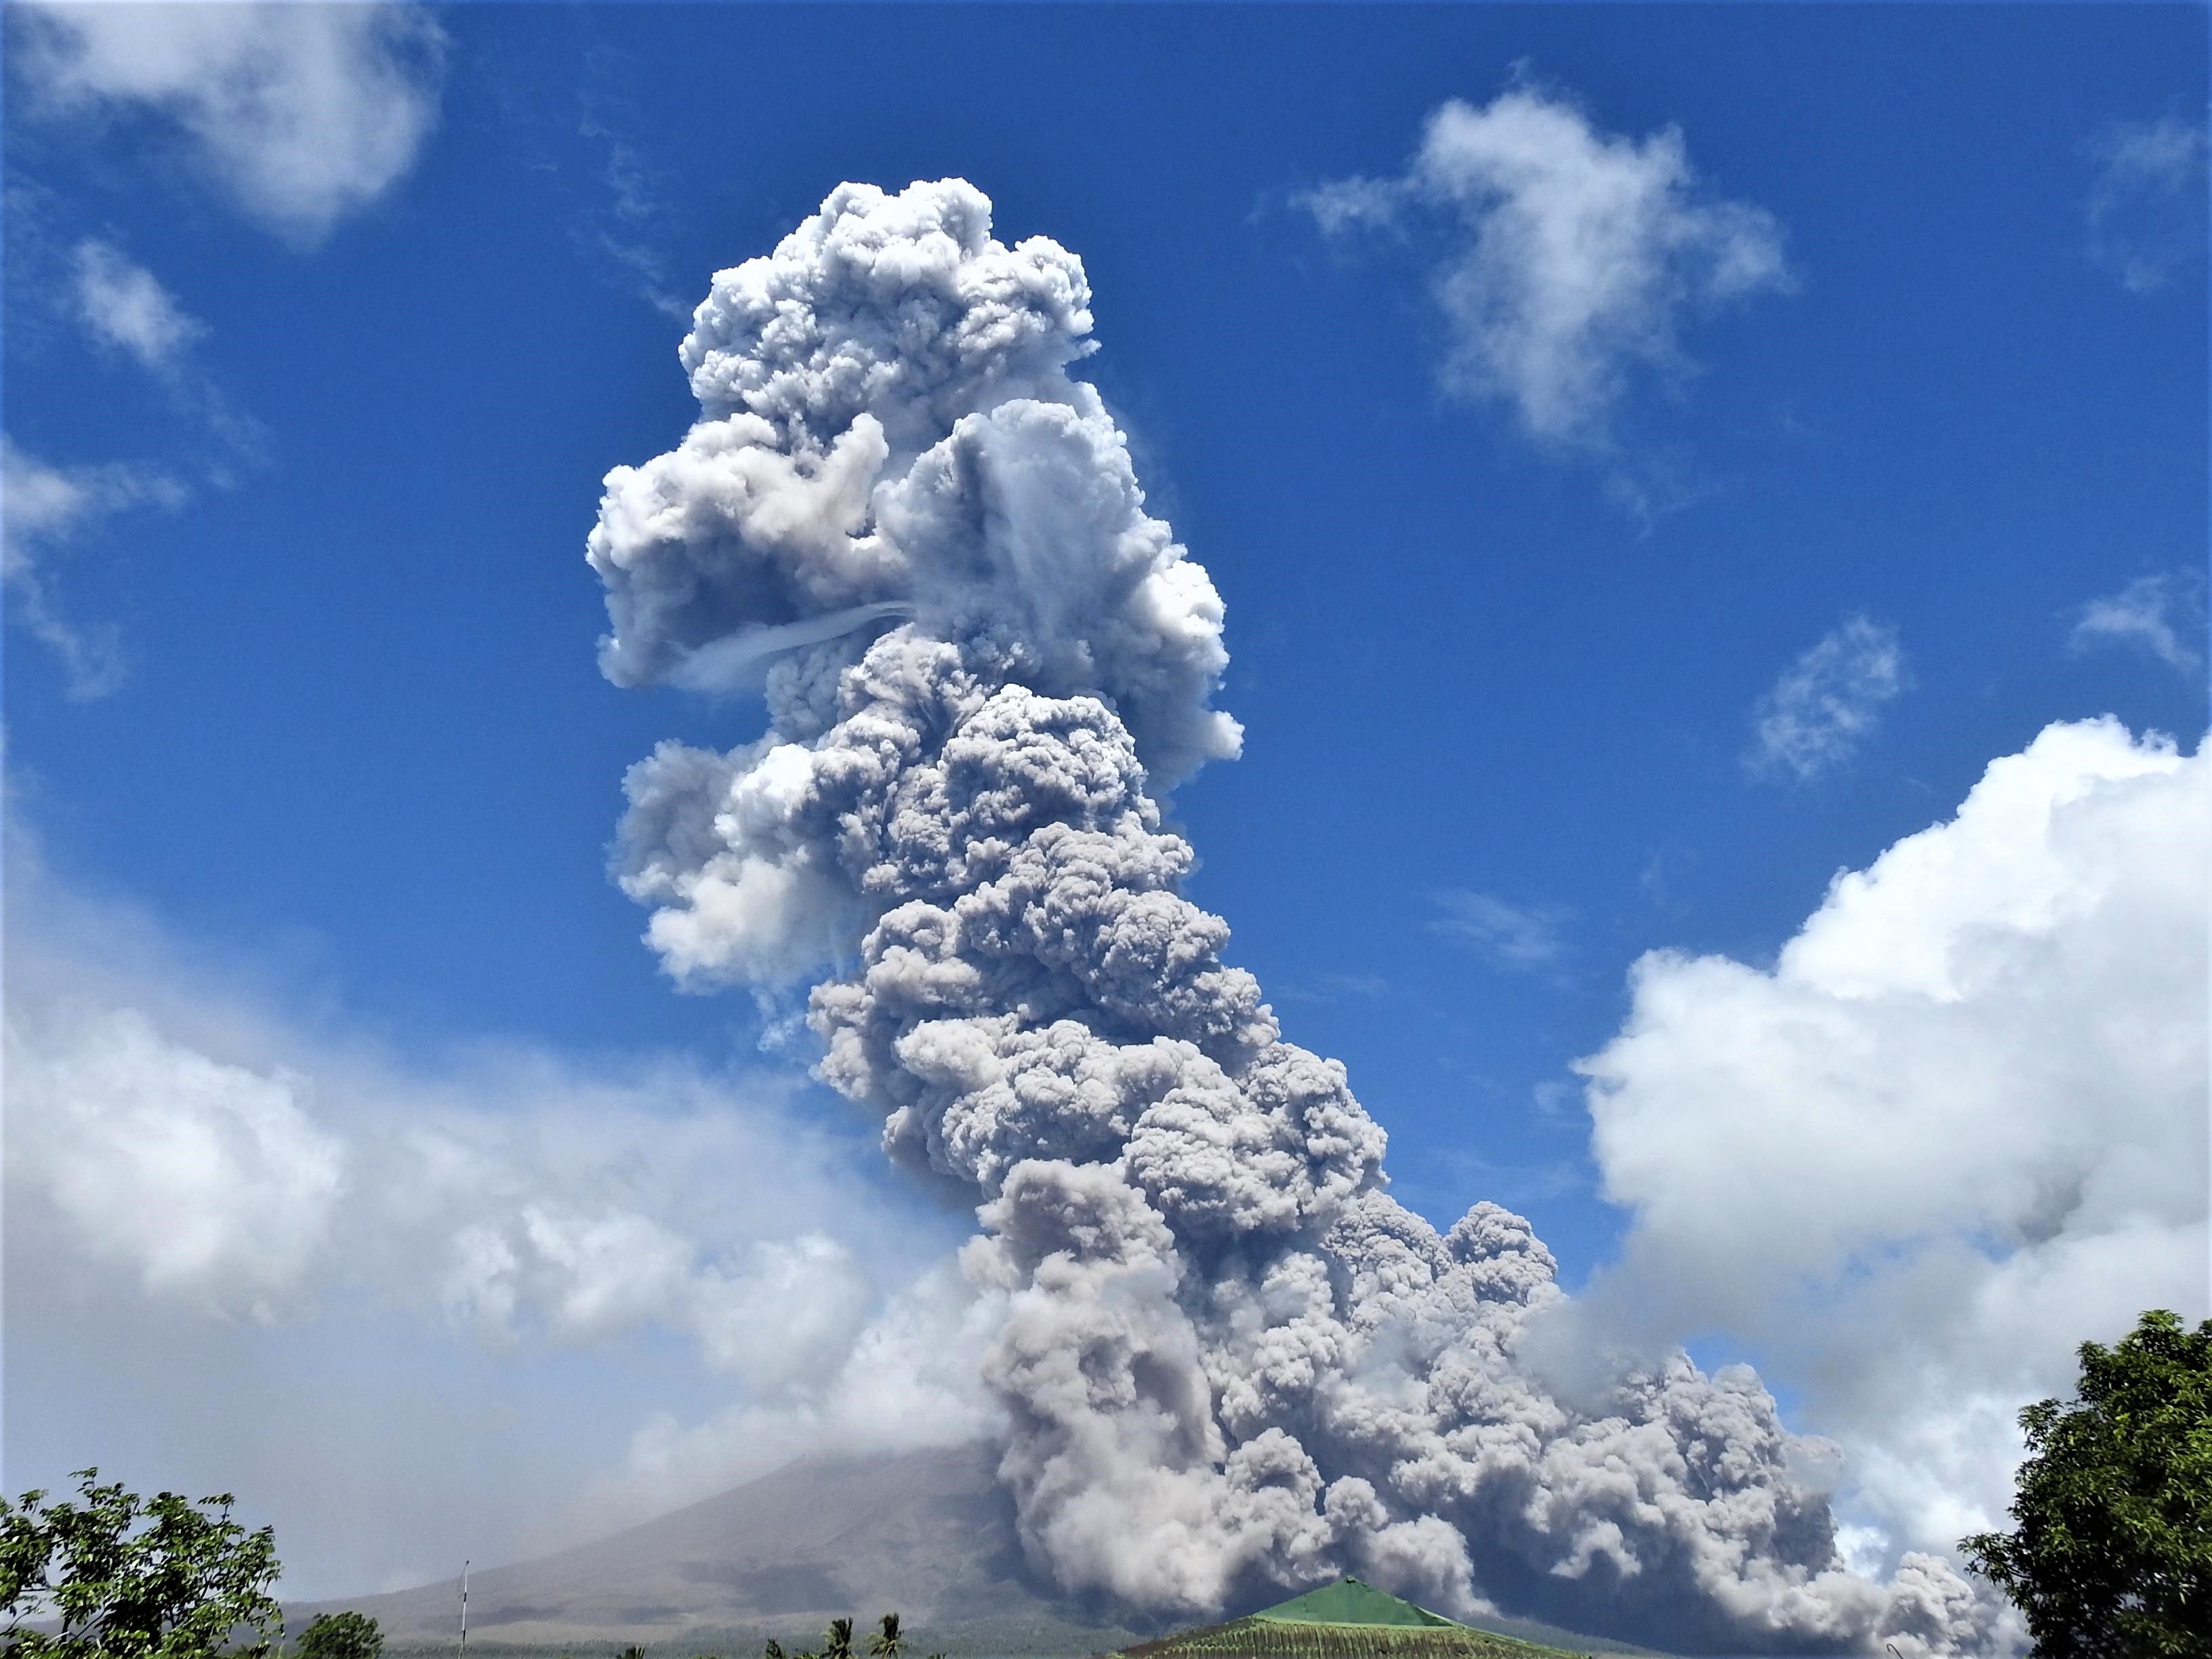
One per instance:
[(464, 1607)]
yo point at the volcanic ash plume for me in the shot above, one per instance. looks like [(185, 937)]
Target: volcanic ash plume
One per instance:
[(1233, 1362)]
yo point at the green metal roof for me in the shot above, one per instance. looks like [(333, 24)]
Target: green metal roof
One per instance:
[(1348, 1602), (1344, 1620)]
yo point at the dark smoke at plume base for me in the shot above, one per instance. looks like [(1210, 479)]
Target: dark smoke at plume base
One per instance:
[(1231, 1363)]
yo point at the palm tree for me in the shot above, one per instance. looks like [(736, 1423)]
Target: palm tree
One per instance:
[(773, 1650), (837, 1643), (889, 1641)]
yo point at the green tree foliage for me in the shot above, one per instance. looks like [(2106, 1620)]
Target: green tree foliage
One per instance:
[(2112, 1557), (341, 1636), (117, 1576), (887, 1641)]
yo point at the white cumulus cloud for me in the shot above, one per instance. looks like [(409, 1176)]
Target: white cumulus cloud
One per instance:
[(180, 1155), (1577, 254), (206, 1180), (1828, 701), (256, 1178), (2162, 614), (301, 113), (1959, 1127)]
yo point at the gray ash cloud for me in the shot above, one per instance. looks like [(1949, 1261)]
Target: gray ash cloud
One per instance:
[(1231, 1362)]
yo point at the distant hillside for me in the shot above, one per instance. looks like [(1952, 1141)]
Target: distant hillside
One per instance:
[(927, 1534)]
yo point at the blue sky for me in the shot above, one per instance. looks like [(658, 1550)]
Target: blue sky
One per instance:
[(350, 759)]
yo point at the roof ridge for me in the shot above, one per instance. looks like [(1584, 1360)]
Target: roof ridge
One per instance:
[(1354, 1602)]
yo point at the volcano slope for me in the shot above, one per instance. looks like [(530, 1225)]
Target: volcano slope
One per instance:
[(929, 1534)]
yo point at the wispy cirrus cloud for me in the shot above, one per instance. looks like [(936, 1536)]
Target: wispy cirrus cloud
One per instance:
[(44, 512), (48, 511), (2162, 614), (124, 310), (1336, 987), (1520, 939), (634, 225), (1828, 703), (301, 114), (1574, 257), (123, 306), (2146, 210)]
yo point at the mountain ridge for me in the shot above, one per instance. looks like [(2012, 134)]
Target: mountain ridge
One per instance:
[(929, 1534)]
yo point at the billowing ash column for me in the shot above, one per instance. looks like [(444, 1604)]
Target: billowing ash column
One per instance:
[(1232, 1363)]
